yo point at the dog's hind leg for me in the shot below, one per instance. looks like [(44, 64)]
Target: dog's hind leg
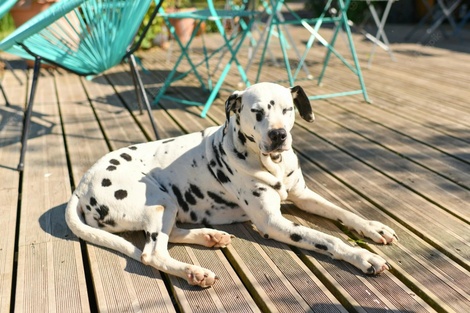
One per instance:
[(206, 237), (161, 221)]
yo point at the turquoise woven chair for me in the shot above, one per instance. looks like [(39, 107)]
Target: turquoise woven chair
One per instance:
[(86, 37)]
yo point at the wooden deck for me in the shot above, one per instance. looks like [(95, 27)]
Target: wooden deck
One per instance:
[(403, 160)]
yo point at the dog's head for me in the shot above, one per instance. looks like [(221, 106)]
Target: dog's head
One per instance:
[(265, 114)]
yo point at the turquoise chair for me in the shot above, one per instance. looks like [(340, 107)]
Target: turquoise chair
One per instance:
[(231, 43), (340, 22), (86, 37)]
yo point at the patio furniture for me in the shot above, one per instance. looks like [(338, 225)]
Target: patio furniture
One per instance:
[(231, 42), (444, 10), (380, 39), (313, 25), (86, 37)]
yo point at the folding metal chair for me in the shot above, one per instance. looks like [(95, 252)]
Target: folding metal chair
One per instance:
[(86, 37), (341, 22), (231, 43), (444, 9), (380, 39)]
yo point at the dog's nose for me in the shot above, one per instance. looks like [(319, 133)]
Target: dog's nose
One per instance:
[(277, 135)]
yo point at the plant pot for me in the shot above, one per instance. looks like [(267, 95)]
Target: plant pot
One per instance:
[(23, 11), (184, 27), (26, 9)]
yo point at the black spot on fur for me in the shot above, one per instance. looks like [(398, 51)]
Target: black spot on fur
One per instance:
[(111, 168), (179, 198), (222, 177), (296, 224), (321, 247), (218, 199), (120, 194), (250, 138), (189, 197), (194, 164), (103, 211), (295, 237), (288, 175), (277, 186), (169, 140), (110, 222), (241, 156), (114, 162), (205, 222), (241, 137), (212, 163), (93, 201), (272, 102), (105, 182), (126, 157), (196, 191), (246, 202), (257, 192), (154, 236), (88, 208), (193, 216), (266, 236), (163, 188), (269, 107), (133, 147), (208, 213)]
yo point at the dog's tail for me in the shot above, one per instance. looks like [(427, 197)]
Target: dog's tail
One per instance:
[(100, 237)]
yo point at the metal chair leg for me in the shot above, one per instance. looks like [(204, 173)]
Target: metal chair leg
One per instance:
[(28, 113), (138, 92), (143, 93)]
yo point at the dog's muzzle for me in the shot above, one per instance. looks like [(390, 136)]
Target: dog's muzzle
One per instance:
[(278, 137)]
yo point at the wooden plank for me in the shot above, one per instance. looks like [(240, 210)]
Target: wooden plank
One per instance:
[(10, 133), (50, 271), (117, 279), (279, 280)]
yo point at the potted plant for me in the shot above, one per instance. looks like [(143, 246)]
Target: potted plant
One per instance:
[(184, 27), (26, 9)]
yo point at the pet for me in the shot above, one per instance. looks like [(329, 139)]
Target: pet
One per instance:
[(235, 172)]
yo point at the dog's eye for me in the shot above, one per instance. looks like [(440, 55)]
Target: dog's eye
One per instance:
[(259, 114), (284, 111)]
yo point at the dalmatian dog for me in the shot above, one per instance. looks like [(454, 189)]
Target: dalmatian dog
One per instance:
[(236, 172)]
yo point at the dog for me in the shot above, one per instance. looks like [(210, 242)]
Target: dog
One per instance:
[(235, 172)]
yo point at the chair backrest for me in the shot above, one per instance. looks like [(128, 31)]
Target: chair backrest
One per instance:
[(84, 36), (5, 6)]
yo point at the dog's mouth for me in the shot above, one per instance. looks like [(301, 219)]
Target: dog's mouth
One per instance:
[(274, 149)]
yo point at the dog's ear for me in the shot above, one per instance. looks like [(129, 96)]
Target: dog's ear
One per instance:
[(302, 103), (233, 103)]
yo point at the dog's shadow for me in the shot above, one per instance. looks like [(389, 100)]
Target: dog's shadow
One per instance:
[(53, 223)]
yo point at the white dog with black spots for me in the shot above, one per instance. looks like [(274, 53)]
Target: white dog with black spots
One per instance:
[(236, 172)]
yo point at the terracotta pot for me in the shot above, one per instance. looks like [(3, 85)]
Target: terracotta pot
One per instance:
[(26, 9), (23, 11), (184, 27)]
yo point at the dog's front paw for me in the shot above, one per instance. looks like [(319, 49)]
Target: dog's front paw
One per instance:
[(370, 263), (378, 232), (198, 276), (217, 239)]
